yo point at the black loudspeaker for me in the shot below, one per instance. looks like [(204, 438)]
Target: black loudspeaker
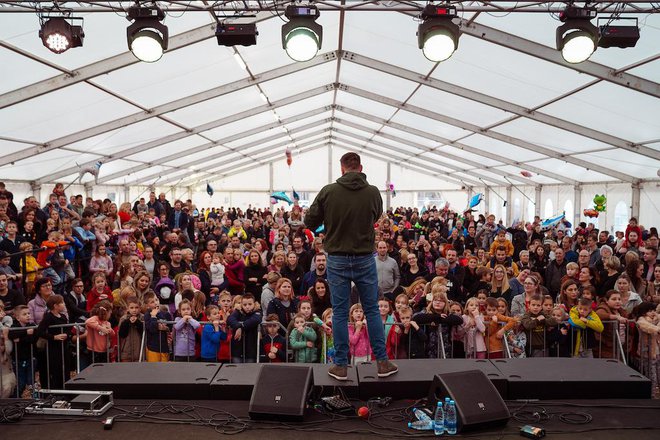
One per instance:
[(280, 393), (478, 404)]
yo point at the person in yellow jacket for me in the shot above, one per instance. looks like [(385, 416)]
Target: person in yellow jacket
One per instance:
[(237, 229), (585, 323), (31, 267), (500, 240)]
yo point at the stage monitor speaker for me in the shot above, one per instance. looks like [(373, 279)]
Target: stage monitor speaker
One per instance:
[(281, 392), (478, 404)]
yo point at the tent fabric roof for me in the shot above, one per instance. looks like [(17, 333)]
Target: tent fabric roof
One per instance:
[(505, 102)]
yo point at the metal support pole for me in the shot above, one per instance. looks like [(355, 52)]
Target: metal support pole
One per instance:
[(329, 163), (36, 191), (509, 205), (636, 195), (537, 200), (577, 203), (388, 194)]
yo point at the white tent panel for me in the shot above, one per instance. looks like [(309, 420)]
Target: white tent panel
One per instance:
[(274, 132), (423, 141), (140, 174), (498, 147), (375, 81), (364, 105), (451, 162), (35, 166), (241, 126), (573, 171), (209, 154), (217, 108), (169, 148), (539, 178), (18, 71), (305, 105), (562, 141), (321, 117), (251, 178), (535, 27), (13, 147), (636, 114), (126, 137), (650, 71), (51, 116), (179, 73), (317, 76), (457, 107), (405, 179), (391, 38), (470, 156), (357, 120), (506, 74), (308, 172), (429, 125), (629, 163), (116, 166)]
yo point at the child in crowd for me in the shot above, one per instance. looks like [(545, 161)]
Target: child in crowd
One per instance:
[(589, 292), (408, 339), (217, 275), (212, 334), (99, 332), (503, 307), (225, 309), (474, 327), (385, 310), (302, 340), (131, 329), (437, 314), (273, 344), (100, 291), (536, 322), (58, 354), (585, 323), (649, 341), (358, 339), (517, 341), (457, 332), (481, 296), (157, 329), (183, 333), (244, 322), (615, 321), (558, 336), (548, 305), (494, 331), (572, 271), (31, 267), (328, 352), (23, 339)]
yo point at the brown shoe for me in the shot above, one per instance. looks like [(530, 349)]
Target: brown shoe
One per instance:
[(386, 368), (339, 372)]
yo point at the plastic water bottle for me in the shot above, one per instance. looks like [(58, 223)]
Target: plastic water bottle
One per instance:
[(450, 418), (439, 419), (421, 425), (446, 405), (422, 415)]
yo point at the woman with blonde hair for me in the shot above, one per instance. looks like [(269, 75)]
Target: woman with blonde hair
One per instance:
[(416, 294), (500, 283), (277, 262)]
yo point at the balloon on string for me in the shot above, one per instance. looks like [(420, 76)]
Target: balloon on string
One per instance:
[(289, 157), (526, 173)]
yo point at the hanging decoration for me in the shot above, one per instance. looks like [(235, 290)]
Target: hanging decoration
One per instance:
[(600, 203), (209, 189), (281, 196), (526, 174), (289, 157), (473, 202), (552, 222), (591, 213), (90, 169), (296, 196), (389, 187)]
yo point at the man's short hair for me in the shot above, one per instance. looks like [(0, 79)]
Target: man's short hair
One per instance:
[(350, 161)]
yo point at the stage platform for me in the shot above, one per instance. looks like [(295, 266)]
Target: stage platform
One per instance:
[(533, 378), (611, 420)]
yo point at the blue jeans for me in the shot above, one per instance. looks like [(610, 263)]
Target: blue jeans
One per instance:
[(361, 269)]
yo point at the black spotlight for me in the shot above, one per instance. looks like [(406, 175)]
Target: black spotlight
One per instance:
[(302, 36), (147, 36), (577, 38), (614, 33), (59, 34), (437, 35), (244, 34)]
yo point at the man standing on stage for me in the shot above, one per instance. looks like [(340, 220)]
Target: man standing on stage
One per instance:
[(349, 208)]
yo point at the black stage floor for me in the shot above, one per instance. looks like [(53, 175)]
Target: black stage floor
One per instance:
[(183, 419)]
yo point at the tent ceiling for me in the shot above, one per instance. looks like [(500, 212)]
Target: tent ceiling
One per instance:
[(504, 103)]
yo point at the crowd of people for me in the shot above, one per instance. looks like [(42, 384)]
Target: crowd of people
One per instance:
[(158, 280)]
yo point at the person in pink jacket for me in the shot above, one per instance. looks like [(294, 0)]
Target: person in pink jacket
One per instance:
[(358, 339), (99, 331)]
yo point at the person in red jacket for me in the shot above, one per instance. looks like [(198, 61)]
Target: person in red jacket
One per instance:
[(100, 291), (234, 271)]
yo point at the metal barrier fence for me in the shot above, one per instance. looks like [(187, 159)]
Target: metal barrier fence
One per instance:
[(53, 360)]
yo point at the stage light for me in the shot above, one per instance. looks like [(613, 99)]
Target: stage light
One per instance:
[(614, 33), (301, 35), (147, 36), (58, 35), (437, 35), (577, 38), (236, 34)]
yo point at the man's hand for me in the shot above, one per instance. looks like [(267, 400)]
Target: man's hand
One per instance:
[(237, 334)]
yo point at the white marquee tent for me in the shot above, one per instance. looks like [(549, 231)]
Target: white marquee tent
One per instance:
[(505, 102)]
